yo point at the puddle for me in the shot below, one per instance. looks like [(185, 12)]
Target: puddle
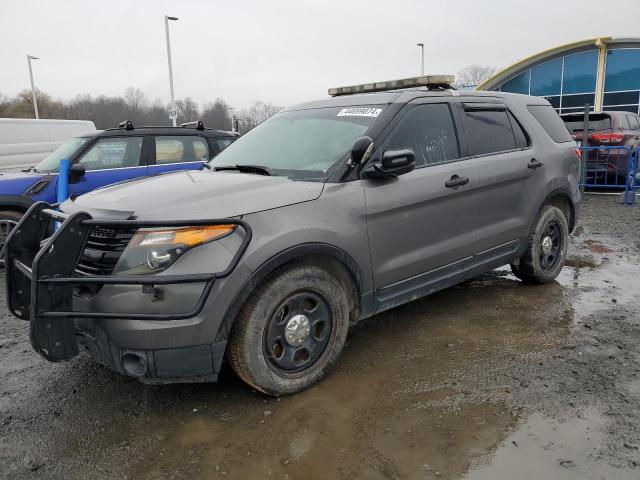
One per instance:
[(544, 448)]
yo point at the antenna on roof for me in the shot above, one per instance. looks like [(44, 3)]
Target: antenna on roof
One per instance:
[(432, 82)]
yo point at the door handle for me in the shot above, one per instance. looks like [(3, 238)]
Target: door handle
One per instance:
[(535, 163), (456, 181)]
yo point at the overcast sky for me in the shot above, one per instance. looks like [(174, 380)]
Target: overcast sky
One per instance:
[(278, 51)]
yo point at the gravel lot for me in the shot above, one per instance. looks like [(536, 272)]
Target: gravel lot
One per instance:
[(491, 379)]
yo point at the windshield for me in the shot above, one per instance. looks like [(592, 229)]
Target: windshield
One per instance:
[(300, 144), (597, 121), (52, 162)]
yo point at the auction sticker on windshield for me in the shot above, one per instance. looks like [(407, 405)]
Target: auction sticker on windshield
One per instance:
[(359, 112)]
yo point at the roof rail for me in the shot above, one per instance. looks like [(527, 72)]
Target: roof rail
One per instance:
[(198, 124), (432, 82), (127, 125)]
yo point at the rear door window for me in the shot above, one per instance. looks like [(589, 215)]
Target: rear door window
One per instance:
[(488, 131), (522, 139), (549, 120), (181, 149), (428, 130)]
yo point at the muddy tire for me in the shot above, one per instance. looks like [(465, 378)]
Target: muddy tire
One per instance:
[(8, 220), (547, 248), (290, 331)]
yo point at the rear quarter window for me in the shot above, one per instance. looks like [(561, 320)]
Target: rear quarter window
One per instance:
[(549, 120)]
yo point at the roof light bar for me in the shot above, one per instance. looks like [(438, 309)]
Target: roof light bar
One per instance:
[(440, 81)]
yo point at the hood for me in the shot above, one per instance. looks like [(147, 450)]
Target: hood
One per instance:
[(199, 194), (17, 183)]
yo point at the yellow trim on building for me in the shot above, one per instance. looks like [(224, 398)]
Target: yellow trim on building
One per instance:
[(544, 54), (602, 57)]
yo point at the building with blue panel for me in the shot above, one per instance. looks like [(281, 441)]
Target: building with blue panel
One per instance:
[(603, 72)]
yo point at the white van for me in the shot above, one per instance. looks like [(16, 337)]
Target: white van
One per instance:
[(25, 141)]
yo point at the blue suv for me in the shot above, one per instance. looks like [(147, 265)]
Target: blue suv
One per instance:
[(105, 157)]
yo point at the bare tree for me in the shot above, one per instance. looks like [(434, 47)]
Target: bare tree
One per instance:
[(473, 75), (135, 99), (216, 115), (257, 113)]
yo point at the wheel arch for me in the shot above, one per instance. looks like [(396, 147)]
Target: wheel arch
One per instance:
[(336, 260), (18, 203), (562, 199)]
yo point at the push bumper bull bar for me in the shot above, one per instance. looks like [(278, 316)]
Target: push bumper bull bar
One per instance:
[(41, 274)]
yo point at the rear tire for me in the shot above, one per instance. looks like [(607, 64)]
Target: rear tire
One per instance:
[(547, 248), (290, 331), (8, 220)]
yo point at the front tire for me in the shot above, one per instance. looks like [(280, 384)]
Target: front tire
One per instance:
[(8, 220), (290, 331), (547, 248)]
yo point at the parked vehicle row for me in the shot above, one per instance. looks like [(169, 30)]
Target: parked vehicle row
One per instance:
[(102, 158), (612, 136), (25, 141), (325, 214)]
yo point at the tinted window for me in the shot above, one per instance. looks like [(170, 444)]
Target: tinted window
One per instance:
[(634, 121), (545, 78), (113, 153), (519, 84), (429, 131), (179, 149), (488, 132), (623, 70), (580, 72), (597, 121), (224, 142), (548, 118), (522, 139)]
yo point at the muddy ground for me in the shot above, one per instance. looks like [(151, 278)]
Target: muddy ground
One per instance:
[(487, 380)]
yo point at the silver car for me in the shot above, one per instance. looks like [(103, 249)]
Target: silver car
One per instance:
[(327, 213)]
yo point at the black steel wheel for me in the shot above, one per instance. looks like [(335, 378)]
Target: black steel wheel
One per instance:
[(550, 246), (546, 249), (298, 332), (291, 329)]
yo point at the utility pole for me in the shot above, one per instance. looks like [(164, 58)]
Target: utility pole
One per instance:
[(33, 88), (172, 112)]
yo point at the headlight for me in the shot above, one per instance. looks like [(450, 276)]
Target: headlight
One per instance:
[(152, 250)]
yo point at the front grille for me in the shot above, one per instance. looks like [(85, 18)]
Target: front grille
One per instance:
[(102, 250)]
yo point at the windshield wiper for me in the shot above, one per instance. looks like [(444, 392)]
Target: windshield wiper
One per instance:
[(260, 170), (30, 169), (207, 166)]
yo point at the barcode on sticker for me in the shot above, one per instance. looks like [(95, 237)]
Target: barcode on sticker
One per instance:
[(359, 112)]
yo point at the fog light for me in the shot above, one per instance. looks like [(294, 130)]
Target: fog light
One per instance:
[(134, 364)]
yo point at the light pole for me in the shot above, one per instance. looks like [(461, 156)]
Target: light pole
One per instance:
[(33, 88), (172, 113), (233, 127), (421, 45)]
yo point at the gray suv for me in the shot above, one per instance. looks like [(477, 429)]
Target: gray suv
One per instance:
[(325, 214)]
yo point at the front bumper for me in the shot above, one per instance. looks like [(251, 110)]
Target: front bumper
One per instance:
[(42, 282)]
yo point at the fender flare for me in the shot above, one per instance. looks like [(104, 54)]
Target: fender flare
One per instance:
[(277, 261), (15, 202)]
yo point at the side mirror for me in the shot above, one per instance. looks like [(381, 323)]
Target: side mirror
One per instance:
[(393, 163), (360, 150), (76, 172)]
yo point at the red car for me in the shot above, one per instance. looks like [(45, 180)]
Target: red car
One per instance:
[(607, 166)]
